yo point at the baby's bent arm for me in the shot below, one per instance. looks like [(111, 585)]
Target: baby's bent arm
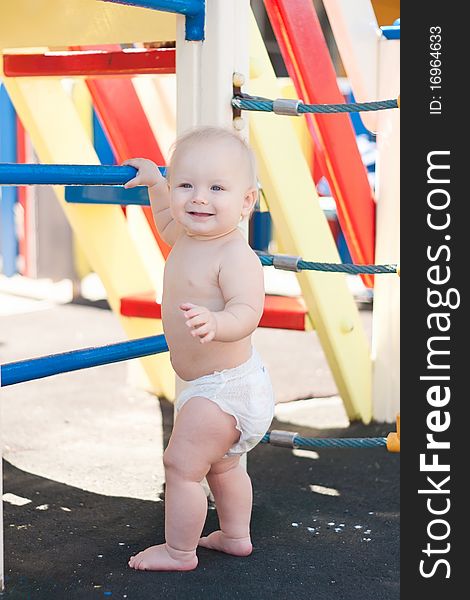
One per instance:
[(168, 228), (242, 283), (148, 174)]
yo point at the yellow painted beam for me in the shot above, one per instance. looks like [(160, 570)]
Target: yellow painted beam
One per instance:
[(82, 101), (303, 231), (49, 116), (29, 23), (299, 124)]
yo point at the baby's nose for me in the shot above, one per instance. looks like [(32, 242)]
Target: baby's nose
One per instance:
[(199, 198)]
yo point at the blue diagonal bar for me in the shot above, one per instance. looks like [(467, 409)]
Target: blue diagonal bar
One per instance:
[(8, 196), (45, 366), (18, 174), (93, 194), (194, 11)]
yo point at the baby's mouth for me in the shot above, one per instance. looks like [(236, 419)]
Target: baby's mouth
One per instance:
[(200, 214)]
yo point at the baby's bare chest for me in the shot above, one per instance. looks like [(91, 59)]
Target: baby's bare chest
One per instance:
[(193, 275)]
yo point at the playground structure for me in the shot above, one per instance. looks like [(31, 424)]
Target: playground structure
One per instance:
[(205, 81)]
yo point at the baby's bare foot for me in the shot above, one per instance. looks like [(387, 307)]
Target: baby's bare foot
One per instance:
[(163, 558), (217, 540)]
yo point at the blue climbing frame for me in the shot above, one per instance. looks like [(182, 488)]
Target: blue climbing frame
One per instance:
[(18, 174), (8, 196), (194, 11), (45, 366), (92, 194)]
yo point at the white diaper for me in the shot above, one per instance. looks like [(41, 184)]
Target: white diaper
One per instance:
[(245, 392)]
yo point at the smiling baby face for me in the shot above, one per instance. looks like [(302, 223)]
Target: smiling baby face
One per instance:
[(212, 182)]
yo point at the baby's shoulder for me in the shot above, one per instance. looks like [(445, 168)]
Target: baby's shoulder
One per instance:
[(238, 251), (236, 245)]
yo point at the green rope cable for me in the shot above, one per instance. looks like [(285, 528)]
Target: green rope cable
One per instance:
[(263, 104), (267, 260), (301, 442)]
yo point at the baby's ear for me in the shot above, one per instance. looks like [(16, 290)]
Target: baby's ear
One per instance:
[(249, 201)]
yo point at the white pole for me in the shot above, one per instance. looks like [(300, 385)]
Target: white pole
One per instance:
[(386, 316), (204, 70)]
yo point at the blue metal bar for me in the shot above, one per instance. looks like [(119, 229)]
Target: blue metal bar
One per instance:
[(101, 143), (260, 230), (16, 174), (8, 196), (391, 32), (37, 368), (194, 10), (92, 194)]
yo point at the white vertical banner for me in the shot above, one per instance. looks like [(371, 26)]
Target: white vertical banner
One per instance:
[(386, 316)]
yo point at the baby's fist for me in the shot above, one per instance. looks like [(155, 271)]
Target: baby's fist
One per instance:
[(201, 321), (148, 173)]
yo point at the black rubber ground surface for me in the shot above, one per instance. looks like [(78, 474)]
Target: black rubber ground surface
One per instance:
[(306, 544)]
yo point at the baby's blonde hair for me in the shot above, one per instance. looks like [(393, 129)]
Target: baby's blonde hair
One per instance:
[(208, 134)]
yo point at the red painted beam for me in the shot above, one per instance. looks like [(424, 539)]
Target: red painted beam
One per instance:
[(144, 306), (127, 127), (282, 312), (279, 312), (303, 47), (91, 63)]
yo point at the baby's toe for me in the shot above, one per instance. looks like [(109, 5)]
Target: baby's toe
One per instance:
[(140, 565), (138, 562), (135, 561)]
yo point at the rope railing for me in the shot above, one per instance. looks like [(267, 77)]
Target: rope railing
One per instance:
[(290, 439), (287, 106), (295, 263)]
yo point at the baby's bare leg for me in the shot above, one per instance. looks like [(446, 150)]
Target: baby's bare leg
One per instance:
[(231, 486), (201, 436)]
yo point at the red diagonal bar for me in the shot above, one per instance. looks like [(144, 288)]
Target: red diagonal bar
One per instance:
[(127, 127), (92, 63), (303, 47), (279, 312)]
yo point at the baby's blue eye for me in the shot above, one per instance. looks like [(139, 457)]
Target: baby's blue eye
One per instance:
[(216, 188), (185, 185)]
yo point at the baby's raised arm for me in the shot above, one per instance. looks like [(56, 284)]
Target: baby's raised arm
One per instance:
[(242, 284), (148, 174)]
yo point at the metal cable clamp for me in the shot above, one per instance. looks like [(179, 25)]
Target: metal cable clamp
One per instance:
[(286, 262), (286, 106), (278, 437)]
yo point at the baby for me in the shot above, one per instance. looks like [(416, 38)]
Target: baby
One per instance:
[(213, 297)]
